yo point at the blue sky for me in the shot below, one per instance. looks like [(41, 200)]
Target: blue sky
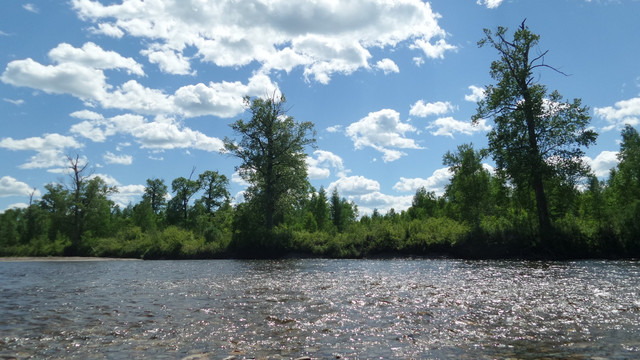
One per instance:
[(147, 89)]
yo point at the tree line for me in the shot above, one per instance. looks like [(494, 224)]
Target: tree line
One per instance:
[(542, 200)]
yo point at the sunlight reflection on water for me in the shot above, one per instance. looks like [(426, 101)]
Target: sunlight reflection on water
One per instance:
[(435, 308)]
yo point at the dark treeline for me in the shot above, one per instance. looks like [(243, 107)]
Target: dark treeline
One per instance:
[(541, 202)]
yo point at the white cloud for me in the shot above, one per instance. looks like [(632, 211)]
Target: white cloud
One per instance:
[(422, 109), (83, 77), (433, 51), (17, 102), (382, 130), (387, 66), (169, 60), (161, 133), (31, 8), (623, 112), (111, 158), (319, 165), (10, 186), (603, 163), (108, 30), (334, 129), (376, 200), (418, 60), (448, 126), (223, 99), (127, 194), (477, 94), (319, 36), (50, 149), (491, 4), (67, 78), (354, 185), (93, 56), (436, 182)]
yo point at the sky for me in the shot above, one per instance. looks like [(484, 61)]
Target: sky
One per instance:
[(147, 89)]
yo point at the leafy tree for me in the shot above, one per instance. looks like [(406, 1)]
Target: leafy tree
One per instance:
[(469, 189), (178, 208), (535, 135), (57, 203), (625, 187), (156, 193), (96, 207), (423, 205), (341, 211), (320, 209), (215, 190), (272, 151)]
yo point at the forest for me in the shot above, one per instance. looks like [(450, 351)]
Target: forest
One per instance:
[(542, 201)]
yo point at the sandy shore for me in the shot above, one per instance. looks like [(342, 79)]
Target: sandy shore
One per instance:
[(61, 258)]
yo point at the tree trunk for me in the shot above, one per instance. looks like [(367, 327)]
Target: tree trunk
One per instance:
[(536, 168)]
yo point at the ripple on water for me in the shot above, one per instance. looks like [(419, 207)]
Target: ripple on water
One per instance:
[(321, 308)]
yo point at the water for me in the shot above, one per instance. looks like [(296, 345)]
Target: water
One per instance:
[(437, 308)]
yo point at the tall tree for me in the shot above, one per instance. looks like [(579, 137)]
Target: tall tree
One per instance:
[(535, 136), (215, 190), (183, 189), (272, 151), (156, 192), (469, 189), (78, 176)]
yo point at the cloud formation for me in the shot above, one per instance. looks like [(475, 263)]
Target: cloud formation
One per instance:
[(321, 37), (622, 113), (422, 109), (50, 149), (383, 131), (10, 186), (449, 126)]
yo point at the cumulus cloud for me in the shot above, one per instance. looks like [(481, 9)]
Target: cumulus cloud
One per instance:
[(93, 56), (602, 163), (422, 109), (491, 4), (161, 133), (320, 164), (622, 113), (448, 126), (354, 185), (81, 73), (10, 186), (477, 94), (111, 158), (433, 50), (387, 66), (383, 131), (376, 200), (436, 182), (50, 149), (67, 78), (322, 38), (169, 60)]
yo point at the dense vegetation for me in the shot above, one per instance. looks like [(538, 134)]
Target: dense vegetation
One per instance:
[(542, 201)]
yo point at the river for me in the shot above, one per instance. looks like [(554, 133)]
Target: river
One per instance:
[(325, 309)]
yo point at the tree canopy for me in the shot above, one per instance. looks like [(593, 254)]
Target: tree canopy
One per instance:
[(272, 151), (537, 136)]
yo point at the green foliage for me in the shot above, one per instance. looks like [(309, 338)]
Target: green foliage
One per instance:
[(536, 136), (272, 151)]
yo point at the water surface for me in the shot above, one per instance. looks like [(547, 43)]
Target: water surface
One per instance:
[(425, 308)]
